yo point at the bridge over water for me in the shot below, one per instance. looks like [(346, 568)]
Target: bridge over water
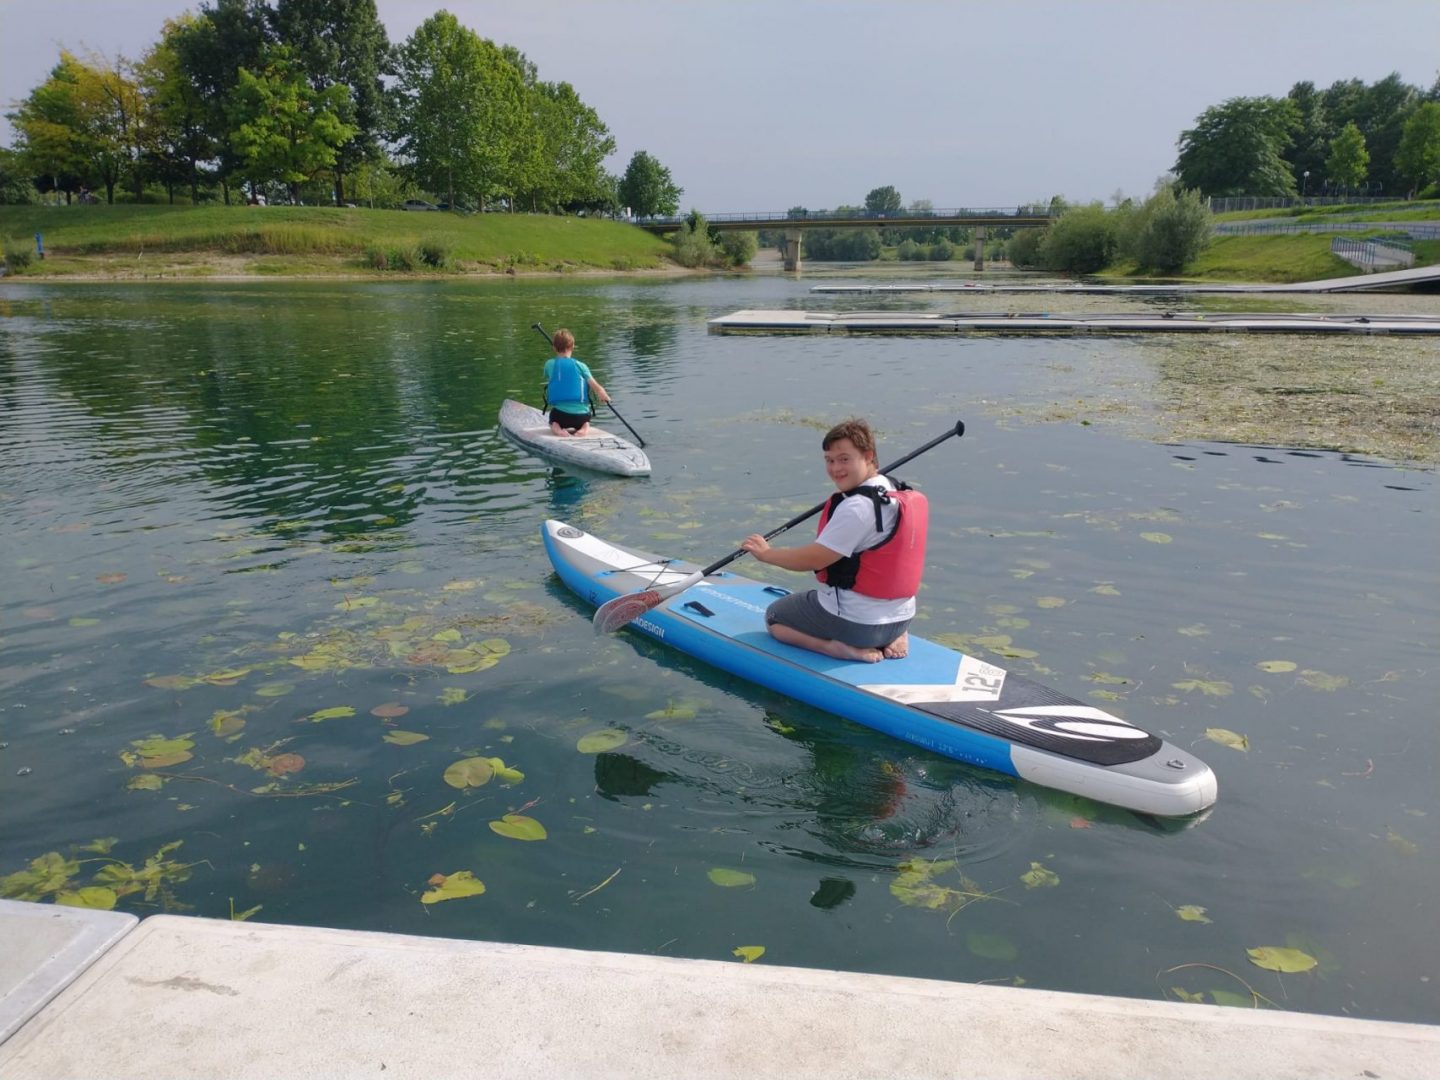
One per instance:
[(794, 222)]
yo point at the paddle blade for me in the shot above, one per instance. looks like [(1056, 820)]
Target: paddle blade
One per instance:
[(619, 612)]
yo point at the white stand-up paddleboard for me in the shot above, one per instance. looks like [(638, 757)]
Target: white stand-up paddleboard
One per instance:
[(599, 451)]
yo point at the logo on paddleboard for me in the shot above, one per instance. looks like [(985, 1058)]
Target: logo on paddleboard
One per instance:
[(1084, 722)]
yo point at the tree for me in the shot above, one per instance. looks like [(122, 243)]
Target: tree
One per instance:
[(647, 187), (1236, 148), (83, 123), (1380, 111), (1418, 158), (342, 43), (285, 130), (177, 143), (883, 200), (48, 135), (1348, 161), (15, 185), (460, 120), (225, 37), (1312, 134)]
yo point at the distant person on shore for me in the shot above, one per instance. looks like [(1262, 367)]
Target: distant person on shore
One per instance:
[(869, 556), (569, 387)]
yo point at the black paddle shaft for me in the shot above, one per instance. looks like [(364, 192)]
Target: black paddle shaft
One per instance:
[(541, 331), (955, 432)]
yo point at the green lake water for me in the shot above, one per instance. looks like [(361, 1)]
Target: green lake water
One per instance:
[(231, 507)]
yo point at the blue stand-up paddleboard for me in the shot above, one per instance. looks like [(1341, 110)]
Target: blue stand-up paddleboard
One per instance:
[(935, 697)]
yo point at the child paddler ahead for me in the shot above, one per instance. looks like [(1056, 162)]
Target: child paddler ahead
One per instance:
[(568, 388), (869, 557)]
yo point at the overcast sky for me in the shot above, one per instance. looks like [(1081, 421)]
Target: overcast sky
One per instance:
[(769, 104)]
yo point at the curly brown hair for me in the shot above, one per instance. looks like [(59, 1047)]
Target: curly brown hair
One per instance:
[(854, 429)]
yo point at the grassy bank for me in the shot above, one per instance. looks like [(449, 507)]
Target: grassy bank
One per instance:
[(198, 241)]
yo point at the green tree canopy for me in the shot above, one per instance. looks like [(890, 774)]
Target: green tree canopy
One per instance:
[(460, 111), (1348, 161), (1418, 158), (342, 43), (177, 143), (1237, 148), (647, 187), (227, 35), (883, 200), (285, 130)]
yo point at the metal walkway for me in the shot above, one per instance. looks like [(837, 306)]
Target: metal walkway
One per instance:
[(901, 322), (1396, 279)]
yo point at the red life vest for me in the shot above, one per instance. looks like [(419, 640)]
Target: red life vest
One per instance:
[(891, 570)]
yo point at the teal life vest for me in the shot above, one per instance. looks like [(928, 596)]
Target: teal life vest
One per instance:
[(566, 383)]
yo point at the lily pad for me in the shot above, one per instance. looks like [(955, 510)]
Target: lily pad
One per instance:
[(1320, 680), (1280, 958), (1039, 877), (1276, 666), (404, 738), (1226, 737), (335, 712), (730, 879), (1192, 913), (1208, 687), (597, 742), (452, 887), (1157, 537), (749, 953), (390, 710), (519, 827), (469, 772)]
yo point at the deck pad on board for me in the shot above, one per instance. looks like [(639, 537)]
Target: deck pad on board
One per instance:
[(931, 679)]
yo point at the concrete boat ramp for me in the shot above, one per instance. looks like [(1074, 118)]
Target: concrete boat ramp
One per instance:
[(97, 994), (1044, 322)]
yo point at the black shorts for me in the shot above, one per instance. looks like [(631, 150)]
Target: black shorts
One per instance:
[(569, 421), (802, 611)]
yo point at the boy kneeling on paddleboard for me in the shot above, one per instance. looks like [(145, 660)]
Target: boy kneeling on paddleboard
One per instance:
[(869, 557), (568, 388)]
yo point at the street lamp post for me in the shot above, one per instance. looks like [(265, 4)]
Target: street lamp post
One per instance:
[(1304, 182)]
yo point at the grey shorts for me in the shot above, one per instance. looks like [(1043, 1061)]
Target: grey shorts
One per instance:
[(802, 611)]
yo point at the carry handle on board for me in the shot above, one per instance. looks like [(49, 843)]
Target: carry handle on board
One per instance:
[(541, 331), (617, 612)]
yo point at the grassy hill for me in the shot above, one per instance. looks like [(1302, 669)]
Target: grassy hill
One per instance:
[(128, 241)]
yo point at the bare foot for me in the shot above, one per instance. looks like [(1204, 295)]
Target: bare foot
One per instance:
[(898, 648), (841, 651)]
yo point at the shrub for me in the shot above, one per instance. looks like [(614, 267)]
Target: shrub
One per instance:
[(942, 251), (435, 253), (693, 246), (17, 256), (1082, 241), (1169, 231), (405, 258), (909, 251), (738, 248), (1026, 248), (378, 258)]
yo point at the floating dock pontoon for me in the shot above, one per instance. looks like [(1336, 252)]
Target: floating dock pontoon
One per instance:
[(1044, 322)]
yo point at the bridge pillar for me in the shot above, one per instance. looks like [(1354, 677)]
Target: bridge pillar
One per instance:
[(979, 235), (792, 250)]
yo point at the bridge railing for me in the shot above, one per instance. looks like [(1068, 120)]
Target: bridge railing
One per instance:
[(763, 217)]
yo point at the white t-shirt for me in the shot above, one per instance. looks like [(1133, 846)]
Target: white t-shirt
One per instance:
[(851, 528)]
